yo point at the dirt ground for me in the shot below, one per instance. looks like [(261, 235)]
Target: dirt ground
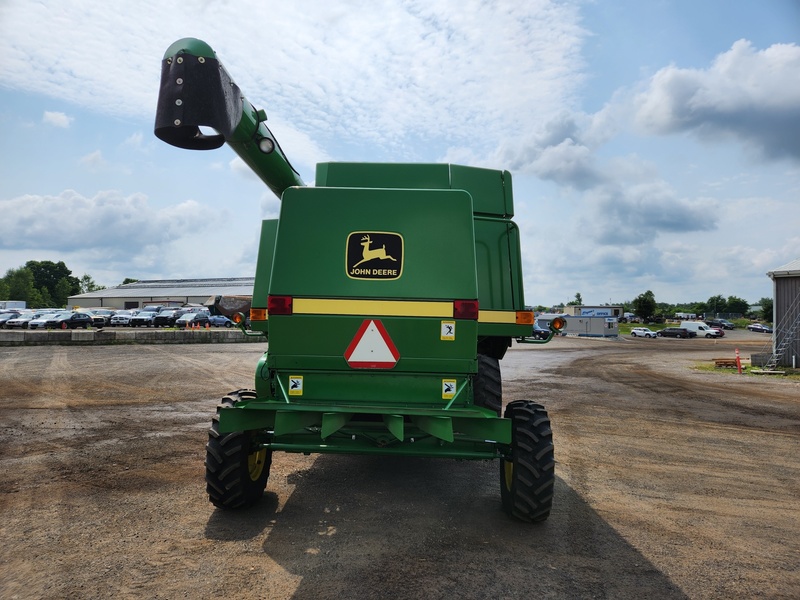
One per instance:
[(671, 483)]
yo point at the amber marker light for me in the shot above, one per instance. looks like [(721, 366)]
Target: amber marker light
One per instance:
[(256, 314), (524, 317)]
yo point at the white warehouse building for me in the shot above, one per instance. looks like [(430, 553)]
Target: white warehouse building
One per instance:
[(169, 292)]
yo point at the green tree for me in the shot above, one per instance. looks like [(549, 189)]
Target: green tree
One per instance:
[(21, 286), (87, 284), (577, 302), (45, 299), (766, 309), (4, 290), (47, 274), (62, 292), (129, 280), (737, 305), (644, 305), (716, 304)]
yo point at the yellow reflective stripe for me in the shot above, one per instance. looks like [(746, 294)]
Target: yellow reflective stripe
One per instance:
[(383, 308), (497, 316)]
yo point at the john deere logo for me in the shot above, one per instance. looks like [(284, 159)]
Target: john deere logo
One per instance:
[(374, 255)]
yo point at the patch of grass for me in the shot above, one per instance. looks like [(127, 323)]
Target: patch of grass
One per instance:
[(793, 374)]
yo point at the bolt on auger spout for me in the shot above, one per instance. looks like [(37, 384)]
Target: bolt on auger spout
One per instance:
[(196, 91)]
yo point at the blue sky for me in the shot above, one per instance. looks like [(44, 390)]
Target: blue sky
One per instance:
[(654, 145)]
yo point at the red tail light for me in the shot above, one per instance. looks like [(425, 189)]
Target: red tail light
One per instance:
[(279, 305), (465, 309)]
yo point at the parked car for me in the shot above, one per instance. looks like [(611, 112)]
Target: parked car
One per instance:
[(192, 319), (101, 316), (6, 316), (223, 321), (676, 332), (21, 321), (643, 332), (143, 319), (40, 322), (121, 318), (167, 317), (195, 308), (70, 320), (157, 308), (701, 329), (724, 323), (759, 328)]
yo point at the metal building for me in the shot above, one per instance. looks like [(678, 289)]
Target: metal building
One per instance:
[(169, 292), (786, 315), (593, 326)]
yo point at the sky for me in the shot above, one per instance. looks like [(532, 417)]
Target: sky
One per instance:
[(653, 145)]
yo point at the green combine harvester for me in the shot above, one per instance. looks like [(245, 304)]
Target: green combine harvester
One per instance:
[(388, 294)]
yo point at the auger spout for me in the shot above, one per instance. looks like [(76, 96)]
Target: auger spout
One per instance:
[(196, 91)]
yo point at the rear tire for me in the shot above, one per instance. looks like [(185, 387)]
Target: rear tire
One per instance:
[(487, 385), (527, 479), (236, 471)]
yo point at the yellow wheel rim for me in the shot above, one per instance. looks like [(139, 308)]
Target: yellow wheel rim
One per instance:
[(255, 464), (508, 472)]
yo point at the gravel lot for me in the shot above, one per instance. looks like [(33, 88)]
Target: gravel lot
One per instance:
[(671, 483)]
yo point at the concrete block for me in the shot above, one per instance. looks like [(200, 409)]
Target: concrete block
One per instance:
[(82, 335), (12, 335)]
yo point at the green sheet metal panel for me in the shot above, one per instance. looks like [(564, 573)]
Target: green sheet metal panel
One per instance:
[(490, 189), (383, 175), (316, 224), (320, 342), (266, 253)]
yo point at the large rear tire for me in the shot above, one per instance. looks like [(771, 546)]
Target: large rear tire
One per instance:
[(488, 385), (236, 469), (527, 479)]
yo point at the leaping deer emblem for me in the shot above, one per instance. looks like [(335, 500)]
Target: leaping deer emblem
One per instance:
[(368, 254)]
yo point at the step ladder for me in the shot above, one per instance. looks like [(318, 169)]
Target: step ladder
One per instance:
[(786, 332)]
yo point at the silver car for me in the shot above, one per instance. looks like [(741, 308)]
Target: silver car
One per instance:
[(41, 322)]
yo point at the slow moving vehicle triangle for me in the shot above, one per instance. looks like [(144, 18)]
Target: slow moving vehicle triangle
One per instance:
[(371, 348)]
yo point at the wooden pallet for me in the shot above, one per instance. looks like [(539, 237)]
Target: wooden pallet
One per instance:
[(728, 363)]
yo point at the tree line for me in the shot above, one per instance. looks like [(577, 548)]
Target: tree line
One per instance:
[(646, 307), (44, 284)]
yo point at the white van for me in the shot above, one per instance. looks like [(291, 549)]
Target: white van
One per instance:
[(701, 329)]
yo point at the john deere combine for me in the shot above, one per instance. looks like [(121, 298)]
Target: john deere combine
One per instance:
[(388, 294)]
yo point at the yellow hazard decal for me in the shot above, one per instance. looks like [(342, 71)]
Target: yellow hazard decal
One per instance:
[(448, 389), (295, 385), (448, 333)]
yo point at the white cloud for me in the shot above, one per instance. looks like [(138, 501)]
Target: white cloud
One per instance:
[(57, 119), (135, 140), (119, 225), (388, 73), (93, 160), (494, 84), (746, 93)]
